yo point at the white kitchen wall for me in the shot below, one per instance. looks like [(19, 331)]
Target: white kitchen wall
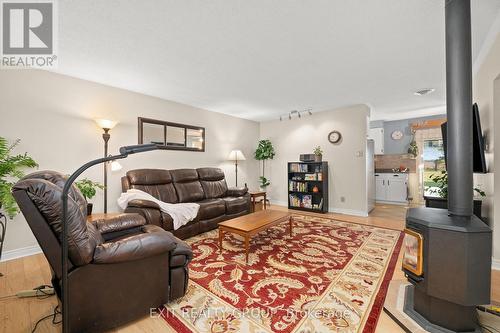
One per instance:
[(346, 161), (53, 116)]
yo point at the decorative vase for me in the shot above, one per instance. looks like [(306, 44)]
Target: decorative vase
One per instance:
[(318, 158), (89, 209)]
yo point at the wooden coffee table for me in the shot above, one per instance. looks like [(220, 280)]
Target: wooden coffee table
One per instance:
[(249, 225)]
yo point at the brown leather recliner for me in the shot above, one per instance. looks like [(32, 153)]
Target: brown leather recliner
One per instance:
[(204, 186), (119, 268)]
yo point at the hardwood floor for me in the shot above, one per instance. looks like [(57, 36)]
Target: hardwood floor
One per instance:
[(20, 315)]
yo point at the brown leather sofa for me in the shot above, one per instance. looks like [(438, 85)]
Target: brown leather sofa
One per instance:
[(119, 268), (204, 186)]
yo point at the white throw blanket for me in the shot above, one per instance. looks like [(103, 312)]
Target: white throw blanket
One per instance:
[(181, 213)]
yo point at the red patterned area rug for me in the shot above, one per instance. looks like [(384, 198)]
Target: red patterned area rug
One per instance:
[(331, 276)]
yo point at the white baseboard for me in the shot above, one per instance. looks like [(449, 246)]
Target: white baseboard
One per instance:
[(348, 212), (392, 203), (331, 210), (19, 253), (495, 264)]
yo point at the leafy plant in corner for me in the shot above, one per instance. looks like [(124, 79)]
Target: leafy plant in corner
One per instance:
[(11, 170), (88, 189), (441, 180), (264, 151)]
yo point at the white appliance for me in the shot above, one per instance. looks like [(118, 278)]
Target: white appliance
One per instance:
[(391, 187), (377, 135)]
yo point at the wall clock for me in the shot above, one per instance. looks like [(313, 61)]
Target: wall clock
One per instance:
[(397, 135), (334, 137)]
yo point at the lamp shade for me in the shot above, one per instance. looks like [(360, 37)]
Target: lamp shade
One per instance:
[(105, 123), (115, 166), (236, 155)]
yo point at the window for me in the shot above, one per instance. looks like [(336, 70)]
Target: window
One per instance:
[(434, 162)]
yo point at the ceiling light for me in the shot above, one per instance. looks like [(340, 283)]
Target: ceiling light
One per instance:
[(423, 92)]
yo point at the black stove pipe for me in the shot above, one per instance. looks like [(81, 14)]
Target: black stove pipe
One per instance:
[(459, 107)]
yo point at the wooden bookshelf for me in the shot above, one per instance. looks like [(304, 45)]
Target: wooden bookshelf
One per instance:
[(303, 178)]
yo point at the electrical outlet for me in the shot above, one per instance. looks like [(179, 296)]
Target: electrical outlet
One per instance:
[(359, 153), (342, 199)]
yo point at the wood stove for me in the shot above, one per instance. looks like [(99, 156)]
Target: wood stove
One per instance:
[(448, 260), (455, 270)]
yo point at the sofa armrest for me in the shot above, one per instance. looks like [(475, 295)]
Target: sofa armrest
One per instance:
[(143, 204), (152, 215), (181, 255), (150, 242), (119, 222), (236, 191)]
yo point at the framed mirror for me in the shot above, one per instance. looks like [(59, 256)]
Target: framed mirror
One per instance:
[(171, 136)]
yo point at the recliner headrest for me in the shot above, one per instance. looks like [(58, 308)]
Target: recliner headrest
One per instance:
[(210, 174), (149, 177), (184, 175)]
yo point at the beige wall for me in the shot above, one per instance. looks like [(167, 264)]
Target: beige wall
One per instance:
[(484, 95), (52, 115), (347, 172)]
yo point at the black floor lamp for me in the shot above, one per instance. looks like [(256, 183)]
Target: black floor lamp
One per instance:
[(124, 152), (106, 125)]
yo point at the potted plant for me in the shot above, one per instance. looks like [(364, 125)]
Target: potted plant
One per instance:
[(413, 148), (264, 151), (441, 190), (88, 189), (318, 154), (11, 170)]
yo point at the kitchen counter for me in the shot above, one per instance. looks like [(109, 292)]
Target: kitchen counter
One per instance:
[(389, 171)]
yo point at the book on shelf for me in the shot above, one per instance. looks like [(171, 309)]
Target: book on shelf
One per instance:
[(310, 176), (297, 167), (307, 201), (297, 186)]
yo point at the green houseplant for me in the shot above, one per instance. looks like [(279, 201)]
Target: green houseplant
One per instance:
[(11, 170), (88, 188), (413, 147), (318, 154), (264, 151), (441, 191)]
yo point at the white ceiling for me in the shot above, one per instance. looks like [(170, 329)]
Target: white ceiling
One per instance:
[(259, 59)]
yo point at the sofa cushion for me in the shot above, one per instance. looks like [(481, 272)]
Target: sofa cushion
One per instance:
[(156, 182), (187, 185), (210, 208), (235, 205), (213, 182)]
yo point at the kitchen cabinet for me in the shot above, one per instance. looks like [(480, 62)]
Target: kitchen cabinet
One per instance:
[(391, 187), (377, 135)]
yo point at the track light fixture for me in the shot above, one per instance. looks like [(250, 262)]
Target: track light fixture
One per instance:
[(296, 114)]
